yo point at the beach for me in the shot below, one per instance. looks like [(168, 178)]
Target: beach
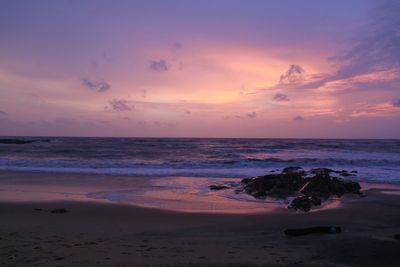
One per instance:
[(104, 232), (200, 133)]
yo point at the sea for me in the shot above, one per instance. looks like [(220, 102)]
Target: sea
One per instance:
[(374, 160)]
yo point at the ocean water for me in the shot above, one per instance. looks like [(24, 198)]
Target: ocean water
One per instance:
[(375, 160)]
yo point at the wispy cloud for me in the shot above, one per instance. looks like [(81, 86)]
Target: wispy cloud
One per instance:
[(158, 65), (396, 103), (3, 112), (251, 115), (376, 49), (293, 75), (281, 97), (377, 46), (298, 118), (120, 104), (98, 86), (233, 117), (177, 46), (172, 106), (375, 110)]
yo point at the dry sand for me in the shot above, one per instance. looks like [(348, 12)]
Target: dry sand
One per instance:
[(104, 234)]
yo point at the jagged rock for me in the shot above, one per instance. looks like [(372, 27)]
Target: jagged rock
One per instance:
[(246, 180), (352, 187), (325, 186), (218, 187), (290, 170), (293, 180), (304, 203), (275, 185)]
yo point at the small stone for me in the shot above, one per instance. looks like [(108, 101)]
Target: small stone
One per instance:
[(218, 187), (59, 211)]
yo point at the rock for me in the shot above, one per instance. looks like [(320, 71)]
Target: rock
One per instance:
[(325, 186), (290, 170), (293, 181), (15, 141), (9, 141), (246, 180), (313, 230), (59, 211), (275, 185), (218, 187), (304, 203), (322, 171), (352, 187), (346, 173)]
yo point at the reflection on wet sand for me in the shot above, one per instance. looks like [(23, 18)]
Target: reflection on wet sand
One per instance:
[(184, 194)]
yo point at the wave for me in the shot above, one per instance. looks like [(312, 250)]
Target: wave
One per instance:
[(369, 170), (201, 157), (188, 164)]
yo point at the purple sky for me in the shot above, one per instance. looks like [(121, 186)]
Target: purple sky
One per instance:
[(200, 68)]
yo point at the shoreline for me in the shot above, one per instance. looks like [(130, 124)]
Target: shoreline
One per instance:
[(180, 194), (184, 194)]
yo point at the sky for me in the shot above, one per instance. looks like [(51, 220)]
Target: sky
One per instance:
[(209, 68)]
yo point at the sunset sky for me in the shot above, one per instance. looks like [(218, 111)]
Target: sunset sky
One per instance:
[(206, 68)]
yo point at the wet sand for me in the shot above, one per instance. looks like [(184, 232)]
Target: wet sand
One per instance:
[(98, 233)]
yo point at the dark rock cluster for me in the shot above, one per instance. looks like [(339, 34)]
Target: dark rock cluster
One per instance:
[(218, 187), (309, 188), (59, 211), (9, 141), (280, 185), (15, 141)]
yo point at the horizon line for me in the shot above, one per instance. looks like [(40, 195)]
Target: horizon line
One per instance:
[(194, 137)]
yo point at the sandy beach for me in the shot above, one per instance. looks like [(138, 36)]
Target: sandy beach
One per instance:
[(104, 233)]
